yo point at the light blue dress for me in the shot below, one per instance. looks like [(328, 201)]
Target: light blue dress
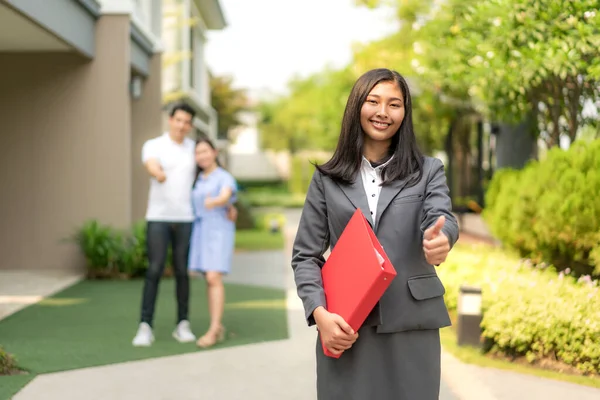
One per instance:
[(213, 235)]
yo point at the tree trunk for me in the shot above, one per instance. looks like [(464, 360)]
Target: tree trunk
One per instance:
[(462, 152), (573, 97)]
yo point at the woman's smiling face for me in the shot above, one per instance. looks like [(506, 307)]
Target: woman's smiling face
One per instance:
[(382, 112), (206, 156)]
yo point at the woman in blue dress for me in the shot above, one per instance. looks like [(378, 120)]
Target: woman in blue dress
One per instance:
[(213, 234)]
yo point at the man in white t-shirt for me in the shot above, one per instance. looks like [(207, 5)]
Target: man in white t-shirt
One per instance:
[(170, 161)]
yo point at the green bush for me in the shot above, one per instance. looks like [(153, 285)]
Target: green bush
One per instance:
[(550, 211), (273, 194), (530, 312), (297, 183), (245, 219), (104, 249), (266, 199), (278, 185), (112, 253), (135, 256), (301, 173), (8, 364)]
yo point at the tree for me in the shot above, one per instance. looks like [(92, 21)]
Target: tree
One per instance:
[(432, 113), (310, 116), (229, 102), (513, 58)]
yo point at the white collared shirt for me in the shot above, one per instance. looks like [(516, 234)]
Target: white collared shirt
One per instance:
[(371, 178)]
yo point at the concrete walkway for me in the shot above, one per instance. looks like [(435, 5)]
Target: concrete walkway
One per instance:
[(19, 289), (272, 370)]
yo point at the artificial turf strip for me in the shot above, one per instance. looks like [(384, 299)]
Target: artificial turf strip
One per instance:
[(10, 385), (93, 322)]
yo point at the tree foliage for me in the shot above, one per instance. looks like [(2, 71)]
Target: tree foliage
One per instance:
[(505, 59), (514, 58), (229, 102), (310, 116)]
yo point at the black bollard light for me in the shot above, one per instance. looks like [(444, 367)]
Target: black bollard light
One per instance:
[(274, 226), (469, 316)]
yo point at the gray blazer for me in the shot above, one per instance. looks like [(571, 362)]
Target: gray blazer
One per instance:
[(414, 300)]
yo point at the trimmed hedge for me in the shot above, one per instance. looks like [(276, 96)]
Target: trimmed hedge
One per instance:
[(529, 311), (550, 210)]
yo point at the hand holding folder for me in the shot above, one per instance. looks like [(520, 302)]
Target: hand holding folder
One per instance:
[(356, 274)]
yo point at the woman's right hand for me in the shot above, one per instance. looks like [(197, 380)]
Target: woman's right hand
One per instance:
[(335, 333)]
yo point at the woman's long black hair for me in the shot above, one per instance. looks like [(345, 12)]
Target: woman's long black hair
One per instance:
[(204, 139), (407, 159)]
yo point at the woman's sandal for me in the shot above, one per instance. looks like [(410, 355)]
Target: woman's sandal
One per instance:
[(210, 339)]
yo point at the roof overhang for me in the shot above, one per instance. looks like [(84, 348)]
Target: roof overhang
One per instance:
[(212, 13), (27, 25)]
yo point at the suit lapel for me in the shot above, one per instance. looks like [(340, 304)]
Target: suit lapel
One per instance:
[(355, 192), (388, 193)]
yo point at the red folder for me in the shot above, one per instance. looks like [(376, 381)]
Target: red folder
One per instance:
[(356, 273)]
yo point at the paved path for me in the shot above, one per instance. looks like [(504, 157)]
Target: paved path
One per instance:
[(267, 371), (18, 289), (263, 371)]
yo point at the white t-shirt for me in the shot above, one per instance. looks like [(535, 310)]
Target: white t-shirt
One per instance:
[(170, 201)]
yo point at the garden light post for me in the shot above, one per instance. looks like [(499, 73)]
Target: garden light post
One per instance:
[(469, 316)]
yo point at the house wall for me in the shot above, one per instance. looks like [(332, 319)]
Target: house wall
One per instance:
[(66, 147), (146, 123)]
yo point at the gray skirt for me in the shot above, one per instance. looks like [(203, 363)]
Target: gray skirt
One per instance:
[(382, 366)]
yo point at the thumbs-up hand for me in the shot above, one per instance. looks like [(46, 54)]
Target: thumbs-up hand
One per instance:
[(435, 243)]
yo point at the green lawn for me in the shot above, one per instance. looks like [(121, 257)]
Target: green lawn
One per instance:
[(92, 323), (258, 239)]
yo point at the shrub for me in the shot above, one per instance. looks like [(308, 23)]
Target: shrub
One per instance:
[(550, 211), (301, 172), (530, 312), (264, 198), (104, 249), (245, 219), (8, 364), (297, 183), (270, 221), (113, 253), (135, 254)]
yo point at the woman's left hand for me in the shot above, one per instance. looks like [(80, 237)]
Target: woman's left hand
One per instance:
[(435, 244)]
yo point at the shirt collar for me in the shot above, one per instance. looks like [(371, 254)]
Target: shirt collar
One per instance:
[(366, 164)]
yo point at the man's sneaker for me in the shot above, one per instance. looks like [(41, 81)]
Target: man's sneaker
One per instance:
[(144, 336), (183, 332)]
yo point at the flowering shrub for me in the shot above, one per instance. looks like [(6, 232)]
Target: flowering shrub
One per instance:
[(550, 211), (529, 311)]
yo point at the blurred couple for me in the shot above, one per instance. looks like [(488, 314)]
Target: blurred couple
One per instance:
[(190, 207)]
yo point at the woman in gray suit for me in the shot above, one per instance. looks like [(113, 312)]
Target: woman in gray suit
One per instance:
[(378, 168)]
